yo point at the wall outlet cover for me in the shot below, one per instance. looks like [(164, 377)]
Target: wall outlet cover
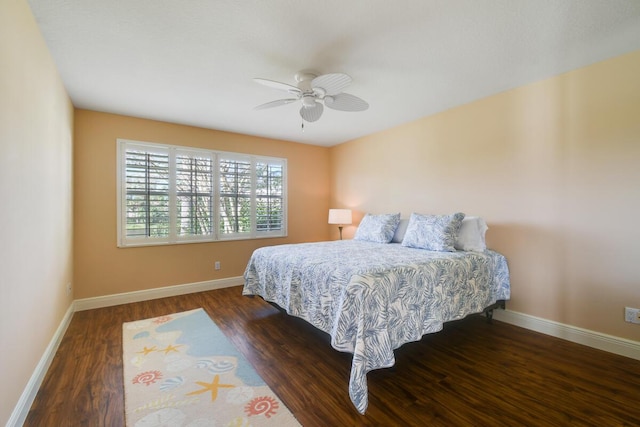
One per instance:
[(632, 315)]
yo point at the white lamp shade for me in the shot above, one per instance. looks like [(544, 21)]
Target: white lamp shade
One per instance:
[(340, 216)]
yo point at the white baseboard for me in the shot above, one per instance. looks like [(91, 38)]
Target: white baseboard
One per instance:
[(149, 294), (21, 410), (616, 345)]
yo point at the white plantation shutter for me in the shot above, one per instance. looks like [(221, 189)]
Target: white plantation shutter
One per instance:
[(194, 194), (169, 194), (269, 196), (235, 196), (147, 192)]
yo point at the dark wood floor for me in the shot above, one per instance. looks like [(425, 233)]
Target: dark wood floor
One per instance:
[(470, 374)]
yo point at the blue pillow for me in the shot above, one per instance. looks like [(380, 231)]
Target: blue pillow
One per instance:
[(377, 228), (433, 232)]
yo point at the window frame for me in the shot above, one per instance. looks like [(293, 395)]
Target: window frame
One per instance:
[(125, 241)]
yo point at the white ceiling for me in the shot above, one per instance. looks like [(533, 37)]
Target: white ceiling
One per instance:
[(192, 61)]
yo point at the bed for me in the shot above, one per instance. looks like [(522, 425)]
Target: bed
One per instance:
[(372, 297)]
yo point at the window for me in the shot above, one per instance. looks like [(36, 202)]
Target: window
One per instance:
[(171, 194)]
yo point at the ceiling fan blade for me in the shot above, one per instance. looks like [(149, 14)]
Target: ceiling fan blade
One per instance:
[(346, 102), (332, 84), (277, 103), (311, 114), (277, 85)]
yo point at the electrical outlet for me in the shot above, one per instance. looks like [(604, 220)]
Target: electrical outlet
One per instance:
[(632, 315), (217, 265)]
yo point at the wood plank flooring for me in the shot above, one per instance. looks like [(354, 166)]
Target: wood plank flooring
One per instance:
[(471, 374)]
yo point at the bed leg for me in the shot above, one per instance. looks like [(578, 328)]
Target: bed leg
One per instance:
[(489, 310), (489, 314)]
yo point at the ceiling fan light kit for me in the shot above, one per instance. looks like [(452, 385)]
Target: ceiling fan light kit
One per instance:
[(308, 101), (314, 91)]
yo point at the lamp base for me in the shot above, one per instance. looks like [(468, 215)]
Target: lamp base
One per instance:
[(340, 228)]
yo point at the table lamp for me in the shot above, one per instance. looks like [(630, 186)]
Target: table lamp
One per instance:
[(340, 217)]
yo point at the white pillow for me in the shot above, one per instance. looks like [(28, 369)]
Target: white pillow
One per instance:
[(471, 236), (400, 231)]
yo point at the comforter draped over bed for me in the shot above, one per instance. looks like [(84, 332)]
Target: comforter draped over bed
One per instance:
[(371, 298)]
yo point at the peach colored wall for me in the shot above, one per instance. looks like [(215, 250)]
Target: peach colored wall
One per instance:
[(36, 128), (103, 269), (553, 167)]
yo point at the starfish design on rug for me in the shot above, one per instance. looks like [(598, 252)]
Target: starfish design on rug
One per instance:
[(171, 347), (146, 350), (212, 387)]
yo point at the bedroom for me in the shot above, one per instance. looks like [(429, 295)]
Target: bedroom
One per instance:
[(551, 166)]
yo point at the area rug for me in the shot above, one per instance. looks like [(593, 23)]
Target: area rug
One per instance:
[(180, 370)]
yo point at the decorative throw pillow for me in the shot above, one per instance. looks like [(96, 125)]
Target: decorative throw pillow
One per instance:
[(377, 228), (433, 232)]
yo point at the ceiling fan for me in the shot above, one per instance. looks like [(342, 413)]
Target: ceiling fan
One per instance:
[(314, 91)]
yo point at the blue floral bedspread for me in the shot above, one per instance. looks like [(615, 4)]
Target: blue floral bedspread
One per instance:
[(371, 298)]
